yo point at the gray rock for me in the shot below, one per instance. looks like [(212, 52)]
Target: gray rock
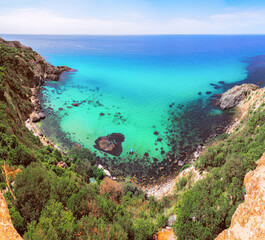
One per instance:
[(181, 163), (235, 95)]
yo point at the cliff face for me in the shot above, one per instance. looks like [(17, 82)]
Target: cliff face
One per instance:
[(248, 222), (7, 230)]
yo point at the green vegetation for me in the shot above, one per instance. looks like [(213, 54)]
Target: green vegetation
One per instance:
[(59, 203), (206, 209)]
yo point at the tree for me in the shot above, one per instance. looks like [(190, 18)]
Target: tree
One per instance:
[(112, 188), (63, 187), (143, 229), (32, 191), (81, 154), (89, 227), (55, 223)]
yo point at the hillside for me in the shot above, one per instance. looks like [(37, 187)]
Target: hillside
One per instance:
[(248, 220), (205, 208), (51, 197)]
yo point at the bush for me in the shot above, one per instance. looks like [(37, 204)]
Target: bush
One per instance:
[(32, 191)]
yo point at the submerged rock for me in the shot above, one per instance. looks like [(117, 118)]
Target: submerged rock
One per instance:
[(110, 144), (235, 95), (75, 104)]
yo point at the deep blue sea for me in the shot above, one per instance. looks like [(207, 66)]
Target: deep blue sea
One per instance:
[(138, 86)]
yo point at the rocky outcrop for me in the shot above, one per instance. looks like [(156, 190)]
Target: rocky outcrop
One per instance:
[(248, 222), (235, 95), (7, 230), (110, 144), (33, 66), (14, 44)]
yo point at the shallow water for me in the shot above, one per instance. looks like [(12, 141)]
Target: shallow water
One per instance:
[(136, 85)]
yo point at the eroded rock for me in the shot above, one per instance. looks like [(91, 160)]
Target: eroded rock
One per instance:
[(235, 95)]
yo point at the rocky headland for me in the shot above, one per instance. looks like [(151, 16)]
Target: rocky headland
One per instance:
[(32, 71), (235, 95)]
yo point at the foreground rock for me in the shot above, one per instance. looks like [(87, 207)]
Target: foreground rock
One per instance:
[(248, 220), (110, 144), (235, 95), (7, 230)]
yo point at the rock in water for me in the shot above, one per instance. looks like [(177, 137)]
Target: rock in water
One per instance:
[(235, 95), (110, 144)]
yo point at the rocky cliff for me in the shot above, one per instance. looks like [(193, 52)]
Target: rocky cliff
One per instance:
[(7, 230), (248, 222), (235, 95)]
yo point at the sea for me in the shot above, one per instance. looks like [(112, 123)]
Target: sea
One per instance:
[(159, 91)]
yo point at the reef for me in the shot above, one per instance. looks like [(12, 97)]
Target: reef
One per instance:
[(111, 144)]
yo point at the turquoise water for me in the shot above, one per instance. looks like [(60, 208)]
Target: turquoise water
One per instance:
[(141, 84)]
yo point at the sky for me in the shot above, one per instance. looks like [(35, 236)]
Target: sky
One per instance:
[(126, 17)]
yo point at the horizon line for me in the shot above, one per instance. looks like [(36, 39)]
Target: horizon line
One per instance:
[(156, 34)]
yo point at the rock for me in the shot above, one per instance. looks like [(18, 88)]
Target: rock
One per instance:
[(111, 144), (7, 230), (235, 95), (37, 116), (180, 163), (61, 164), (248, 220)]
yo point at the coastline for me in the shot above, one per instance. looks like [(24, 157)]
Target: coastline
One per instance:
[(167, 188), (159, 190), (31, 125)]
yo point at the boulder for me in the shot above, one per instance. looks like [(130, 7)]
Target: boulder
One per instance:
[(37, 116), (110, 144), (235, 95)]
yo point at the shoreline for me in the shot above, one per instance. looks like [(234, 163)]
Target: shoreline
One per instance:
[(167, 188), (158, 190)]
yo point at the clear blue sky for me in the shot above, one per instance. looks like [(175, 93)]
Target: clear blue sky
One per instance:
[(132, 16)]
